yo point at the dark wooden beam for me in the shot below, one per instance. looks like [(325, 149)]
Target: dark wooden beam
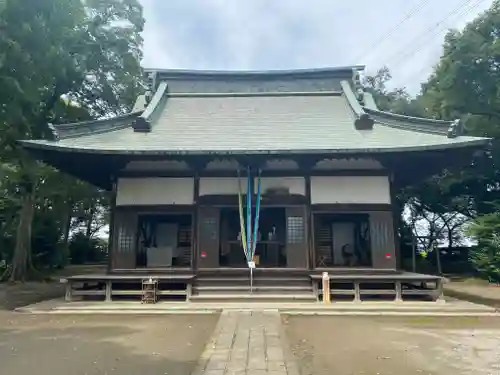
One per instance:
[(182, 209), (266, 200), (265, 173), (350, 207)]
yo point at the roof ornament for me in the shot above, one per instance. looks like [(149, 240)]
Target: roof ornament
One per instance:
[(53, 132), (364, 122), (147, 96), (358, 87), (151, 85), (456, 129)]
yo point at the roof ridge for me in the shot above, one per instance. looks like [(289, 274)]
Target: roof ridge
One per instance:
[(98, 126), (143, 122), (171, 73), (364, 111), (451, 129), (413, 128), (251, 94), (351, 98), (398, 116)]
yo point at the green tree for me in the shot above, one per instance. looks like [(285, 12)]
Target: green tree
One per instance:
[(466, 84), (86, 51), (485, 257)]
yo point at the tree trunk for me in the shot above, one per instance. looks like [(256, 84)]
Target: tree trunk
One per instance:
[(21, 261), (90, 219), (67, 217), (450, 238)]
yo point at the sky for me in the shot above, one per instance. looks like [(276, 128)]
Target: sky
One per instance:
[(405, 35)]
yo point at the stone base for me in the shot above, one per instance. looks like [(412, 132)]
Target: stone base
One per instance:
[(452, 308)]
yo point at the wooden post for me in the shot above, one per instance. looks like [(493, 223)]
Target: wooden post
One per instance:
[(194, 223), (69, 287), (111, 235), (326, 287), (439, 290), (108, 291), (315, 289), (357, 291), (399, 291)]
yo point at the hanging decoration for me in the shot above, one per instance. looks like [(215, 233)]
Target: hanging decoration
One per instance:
[(248, 239)]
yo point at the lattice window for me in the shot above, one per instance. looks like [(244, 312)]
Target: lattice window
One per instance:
[(125, 239), (295, 229)]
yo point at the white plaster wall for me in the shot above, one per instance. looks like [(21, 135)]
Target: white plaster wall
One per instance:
[(221, 185), (350, 189), (295, 185), (154, 191)]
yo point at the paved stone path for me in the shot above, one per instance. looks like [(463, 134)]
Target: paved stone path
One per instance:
[(246, 343)]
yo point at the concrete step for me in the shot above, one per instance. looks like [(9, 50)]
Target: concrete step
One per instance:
[(262, 281), (243, 289), (254, 297)]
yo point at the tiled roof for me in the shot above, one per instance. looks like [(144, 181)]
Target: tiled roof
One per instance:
[(257, 122)]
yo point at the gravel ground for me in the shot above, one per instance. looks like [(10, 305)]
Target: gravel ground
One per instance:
[(102, 344), (392, 345)]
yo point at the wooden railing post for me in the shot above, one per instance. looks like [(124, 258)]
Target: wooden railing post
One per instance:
[(357, 291), (399, 291), (68, 289), (326, 287), (108, 297)]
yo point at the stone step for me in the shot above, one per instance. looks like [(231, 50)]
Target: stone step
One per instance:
[(243, 289), (262, 281), (253, 297)]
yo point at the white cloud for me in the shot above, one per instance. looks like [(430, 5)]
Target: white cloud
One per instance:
[(263, 34)]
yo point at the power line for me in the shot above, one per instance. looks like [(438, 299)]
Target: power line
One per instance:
[(389, 33), (469, 7), (464, 8)]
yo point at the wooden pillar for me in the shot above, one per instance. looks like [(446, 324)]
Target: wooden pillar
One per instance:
[(111, 240), (311, 259), (194, 224), (396, 213)]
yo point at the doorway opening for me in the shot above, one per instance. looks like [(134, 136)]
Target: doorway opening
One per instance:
[(271, 238), (342, 240), (164, 240)]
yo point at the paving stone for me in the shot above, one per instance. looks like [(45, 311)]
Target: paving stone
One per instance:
[(245, 343), (236, 372), (215, 365), (256, 372), (276, 366), (239, 355), (220, 357), (213, 372), (257, 365)]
